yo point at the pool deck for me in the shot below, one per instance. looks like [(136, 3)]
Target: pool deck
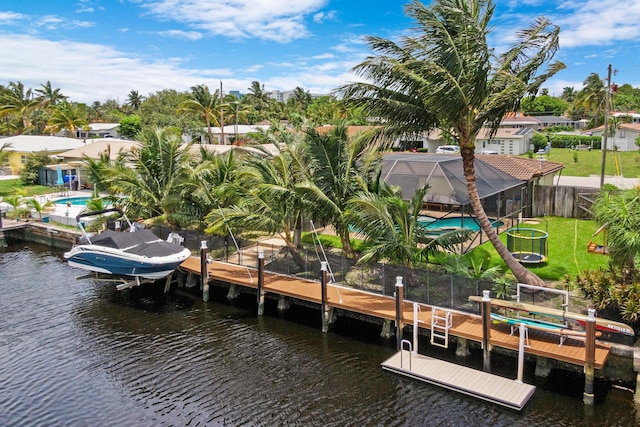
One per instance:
[(62, 213)]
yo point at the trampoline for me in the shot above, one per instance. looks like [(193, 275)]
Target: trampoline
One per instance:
[(527, 245)]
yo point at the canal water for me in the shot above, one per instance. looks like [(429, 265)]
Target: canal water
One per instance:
[(79, 353)]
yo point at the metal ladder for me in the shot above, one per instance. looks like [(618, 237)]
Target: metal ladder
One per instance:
[(440, 325)]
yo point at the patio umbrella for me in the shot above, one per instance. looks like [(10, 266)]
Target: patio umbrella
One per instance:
[(60, 181)]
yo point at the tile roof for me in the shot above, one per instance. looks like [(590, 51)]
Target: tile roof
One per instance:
[(521, 167)]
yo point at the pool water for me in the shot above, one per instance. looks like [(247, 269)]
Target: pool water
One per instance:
[(470, 223), (74, 201)]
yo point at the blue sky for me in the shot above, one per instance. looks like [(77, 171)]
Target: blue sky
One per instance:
[(94, 50)]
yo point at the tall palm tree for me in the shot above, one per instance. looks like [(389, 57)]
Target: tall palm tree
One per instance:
[(205, 104), (16, 100), (68, 116), (48, 96), (592, 98), (134, 100), (446, 76)]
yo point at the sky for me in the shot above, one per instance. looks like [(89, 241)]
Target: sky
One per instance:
[(96, 50)]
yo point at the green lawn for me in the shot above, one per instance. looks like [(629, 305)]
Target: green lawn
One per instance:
[(9, 187), (590, 162), (567, 248)]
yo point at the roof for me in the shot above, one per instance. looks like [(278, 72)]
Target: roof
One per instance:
[(40, 143), (103, 126), (521, 167), (241, 129), (222, 149), (95, 147), (445, 176), (504, 133), (518, 118), (351, 130)]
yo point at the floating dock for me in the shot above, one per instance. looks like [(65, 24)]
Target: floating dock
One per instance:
[(472, 382)]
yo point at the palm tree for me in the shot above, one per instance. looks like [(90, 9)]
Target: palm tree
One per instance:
[(4, 152), (446, 76), (621, 211), (205, 104), (592, 97), (257, 95), (34, 204), (48, 96), (15, 100), (269, 202), (391, 228), (153, 176), (134, 100), (68, 116), (335, 167), (568, 94)]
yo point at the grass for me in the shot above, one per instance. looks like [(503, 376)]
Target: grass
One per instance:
[(567, 248), (9, 187), (590, 162), (566, 244)]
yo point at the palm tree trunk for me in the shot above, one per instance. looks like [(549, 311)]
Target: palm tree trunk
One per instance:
[(521, 273)]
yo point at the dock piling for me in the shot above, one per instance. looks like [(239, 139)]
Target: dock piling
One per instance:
[(204, 273), (399, 303), (590, 357), (260, 294), (486, 331), (323, 297)]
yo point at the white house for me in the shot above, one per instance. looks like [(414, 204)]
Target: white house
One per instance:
[(624, 138), (235, 132), (99, 130)]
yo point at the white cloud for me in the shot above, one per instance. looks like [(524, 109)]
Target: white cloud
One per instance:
[(8, 18), (275, 20), (599, 22), (189, 35), (320, 17)]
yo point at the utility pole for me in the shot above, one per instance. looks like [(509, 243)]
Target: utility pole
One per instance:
[(221, 117), (606, 125)]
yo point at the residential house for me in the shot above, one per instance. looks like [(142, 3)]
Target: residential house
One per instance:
[(624, 138), (99, 130), (21, 146)]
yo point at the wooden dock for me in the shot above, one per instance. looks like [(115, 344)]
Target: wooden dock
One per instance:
[(464, 325), (472, 382), (499, 390)]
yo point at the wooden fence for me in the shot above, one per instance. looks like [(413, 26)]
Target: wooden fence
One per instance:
[(567, 202)]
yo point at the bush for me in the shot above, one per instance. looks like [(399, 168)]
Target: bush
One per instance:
[(30, 170)]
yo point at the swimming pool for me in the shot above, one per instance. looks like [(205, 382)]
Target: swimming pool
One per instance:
[(453, 222), (74, 201)]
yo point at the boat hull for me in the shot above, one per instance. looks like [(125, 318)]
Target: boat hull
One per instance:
[(101, 260)]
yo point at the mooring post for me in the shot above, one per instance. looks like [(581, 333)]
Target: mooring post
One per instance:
[(323, 296), (3, 243), (204, 272), (260, 282), (590, 357), (486, 331), (416, 310), (523, 333), (399, 304)]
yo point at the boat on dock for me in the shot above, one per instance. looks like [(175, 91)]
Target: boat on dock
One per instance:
[(134, 254), (602, 325)]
